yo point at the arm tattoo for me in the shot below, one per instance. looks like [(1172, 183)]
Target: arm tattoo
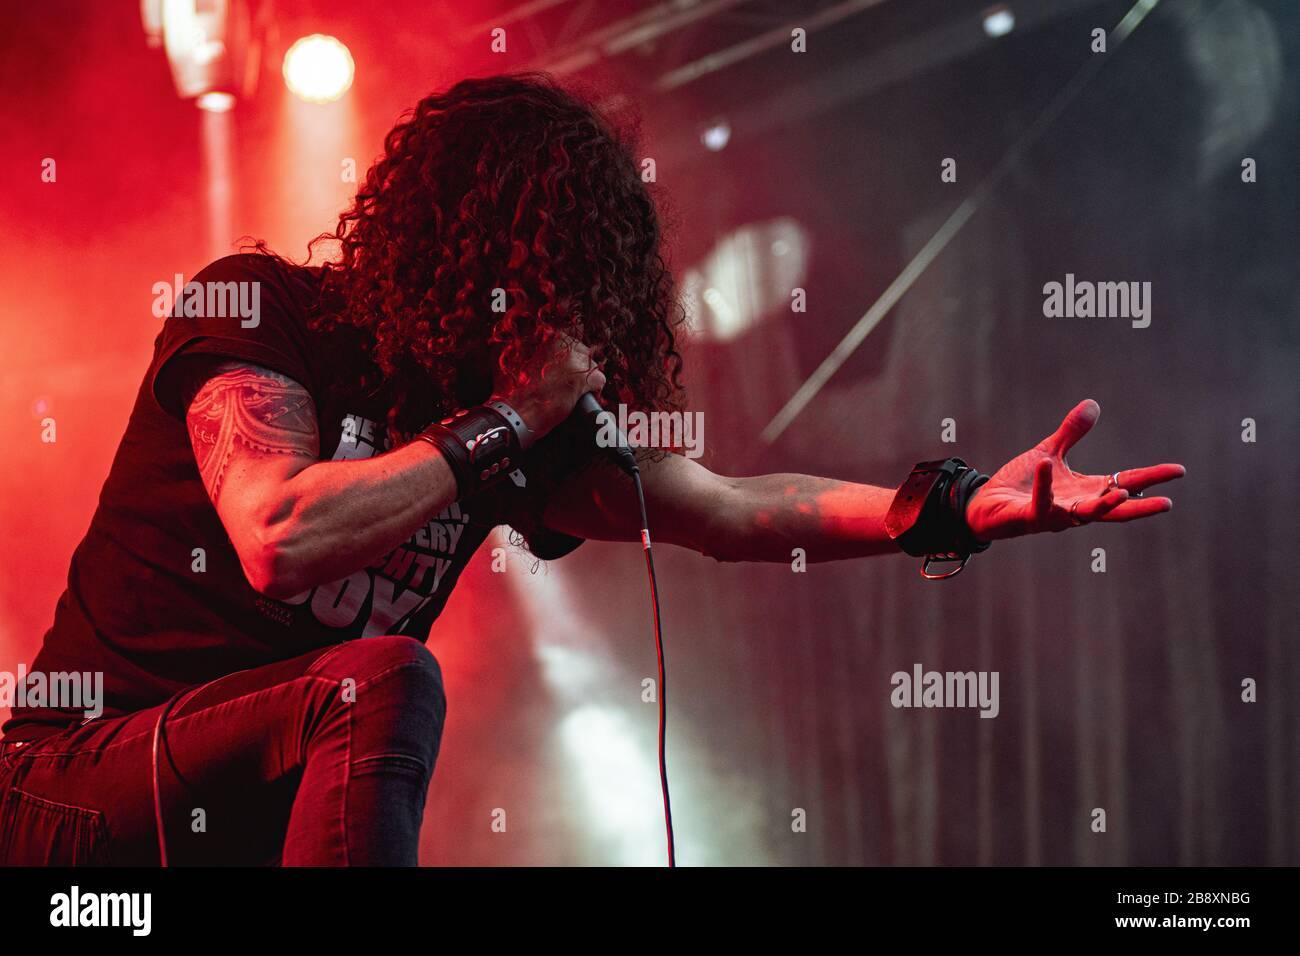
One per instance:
[(245, 409)]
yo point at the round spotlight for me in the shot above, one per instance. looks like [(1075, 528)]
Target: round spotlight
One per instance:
[(999, 20), (318, 69), (716, 135)]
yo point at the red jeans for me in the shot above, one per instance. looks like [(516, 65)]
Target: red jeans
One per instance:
[(321, 760)]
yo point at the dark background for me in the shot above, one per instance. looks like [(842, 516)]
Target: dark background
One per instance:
[(1119, 690)]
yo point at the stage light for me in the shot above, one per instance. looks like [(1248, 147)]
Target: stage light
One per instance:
[(716, 136), (215, 102), (746, 278), (211, 46), (318, 69), (999, 20)]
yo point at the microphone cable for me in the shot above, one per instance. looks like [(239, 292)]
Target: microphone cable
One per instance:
[(159, 739), (635, 472), (622, 456)]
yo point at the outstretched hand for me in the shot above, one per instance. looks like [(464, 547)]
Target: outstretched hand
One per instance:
[(1038, 491)]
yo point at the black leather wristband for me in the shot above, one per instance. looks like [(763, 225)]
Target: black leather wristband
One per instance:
[(928, 515), (481, 446), (515, 421)]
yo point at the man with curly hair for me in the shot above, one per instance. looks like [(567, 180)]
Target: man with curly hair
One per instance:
[(298, 490)]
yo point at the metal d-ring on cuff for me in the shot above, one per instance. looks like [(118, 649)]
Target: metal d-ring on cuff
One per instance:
[(927, 518), (937, 558)]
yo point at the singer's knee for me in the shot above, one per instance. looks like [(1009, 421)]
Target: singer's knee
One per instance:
[(391, 688)]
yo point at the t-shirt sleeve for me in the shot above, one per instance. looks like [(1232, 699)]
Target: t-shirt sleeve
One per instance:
[(243, 308)]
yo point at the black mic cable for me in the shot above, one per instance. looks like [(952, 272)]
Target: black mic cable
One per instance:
[(158, 749), (659, 654), (622, 456)]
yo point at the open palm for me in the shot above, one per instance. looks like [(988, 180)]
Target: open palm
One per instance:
[(1038, 491)]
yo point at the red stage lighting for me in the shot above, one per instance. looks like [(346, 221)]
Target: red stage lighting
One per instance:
[(318, 69)]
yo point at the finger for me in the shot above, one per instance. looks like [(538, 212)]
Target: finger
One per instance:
[(1136, 508), (1138, 479), (578, 352), (555, 358), (1041, 500), (578, 359), (1095, 509), (1076, 424)]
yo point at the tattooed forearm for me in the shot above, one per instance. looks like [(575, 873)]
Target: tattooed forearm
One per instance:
[(247, 410)]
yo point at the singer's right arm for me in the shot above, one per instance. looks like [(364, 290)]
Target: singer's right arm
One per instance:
[(296, 521)]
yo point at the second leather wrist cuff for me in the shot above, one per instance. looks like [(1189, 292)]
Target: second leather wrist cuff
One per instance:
[(928, 515), (481, 445)]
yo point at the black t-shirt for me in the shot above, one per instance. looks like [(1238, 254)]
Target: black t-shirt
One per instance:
[(156, 598)]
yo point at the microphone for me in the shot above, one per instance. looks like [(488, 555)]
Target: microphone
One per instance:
[(618, 453)]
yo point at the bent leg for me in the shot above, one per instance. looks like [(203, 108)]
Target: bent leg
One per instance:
[(369, 755)]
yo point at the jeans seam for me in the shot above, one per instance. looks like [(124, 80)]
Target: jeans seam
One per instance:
[(332, 652), (392, 755), (87, 812), (388, 670)]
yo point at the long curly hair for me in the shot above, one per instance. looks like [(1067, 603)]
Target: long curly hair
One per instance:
[(504, 213)]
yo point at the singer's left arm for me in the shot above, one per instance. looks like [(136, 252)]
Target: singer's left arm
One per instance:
[(765, 518), (730, 519)]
